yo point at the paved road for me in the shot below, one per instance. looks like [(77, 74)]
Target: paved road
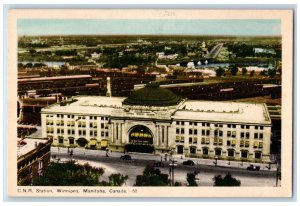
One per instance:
[(134, 167), (215, 51)]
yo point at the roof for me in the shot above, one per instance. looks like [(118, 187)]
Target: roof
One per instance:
[(152, 95), (90, 105), (223, 112), (27, 145)]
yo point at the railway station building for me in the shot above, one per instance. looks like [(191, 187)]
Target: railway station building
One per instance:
[(155, 120)]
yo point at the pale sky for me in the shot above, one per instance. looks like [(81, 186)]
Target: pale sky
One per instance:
[(253, 27)]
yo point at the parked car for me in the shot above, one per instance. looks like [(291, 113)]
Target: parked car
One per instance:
[(253, 168), (189, 162), (126, 157)]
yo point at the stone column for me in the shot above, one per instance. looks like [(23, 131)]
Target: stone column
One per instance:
[(112, 130), (157, 133)]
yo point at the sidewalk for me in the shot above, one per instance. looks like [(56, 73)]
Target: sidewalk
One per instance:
[(161, 157)]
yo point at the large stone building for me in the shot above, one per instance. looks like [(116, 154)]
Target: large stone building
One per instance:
[(33, 159), (155, 119)]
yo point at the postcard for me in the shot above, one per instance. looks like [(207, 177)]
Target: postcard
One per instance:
[(150, 103)]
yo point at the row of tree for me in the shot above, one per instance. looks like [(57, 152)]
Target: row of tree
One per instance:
[(71, 174), (234, 70)]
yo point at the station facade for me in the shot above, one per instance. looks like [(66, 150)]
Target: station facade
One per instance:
[(155, 120)]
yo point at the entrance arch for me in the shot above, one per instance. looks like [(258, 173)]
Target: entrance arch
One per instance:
[(140, 134)]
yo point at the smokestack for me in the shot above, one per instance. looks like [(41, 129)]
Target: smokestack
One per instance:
[(108, 91)]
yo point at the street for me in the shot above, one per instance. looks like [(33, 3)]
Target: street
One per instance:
[(206, 168)]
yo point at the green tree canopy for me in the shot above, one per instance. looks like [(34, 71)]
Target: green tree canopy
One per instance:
[(244, 71), (220, 72), (228, 180), (191, 179), (233, 70), (69, 174), (152, 177)]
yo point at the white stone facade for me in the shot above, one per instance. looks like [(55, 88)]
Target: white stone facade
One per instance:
[(205, 129)]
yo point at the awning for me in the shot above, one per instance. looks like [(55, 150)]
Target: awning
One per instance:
[(104, 143), (93, 142)]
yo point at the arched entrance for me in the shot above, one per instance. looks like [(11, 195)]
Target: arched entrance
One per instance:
[(140, 135), (140, 140)]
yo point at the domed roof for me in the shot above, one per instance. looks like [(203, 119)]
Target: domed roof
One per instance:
[(152, 95)]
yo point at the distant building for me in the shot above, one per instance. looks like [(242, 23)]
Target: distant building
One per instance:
[(33, 159), (262, 50), (153, 117)]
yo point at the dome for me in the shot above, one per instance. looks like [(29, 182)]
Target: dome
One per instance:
[(152, 95)]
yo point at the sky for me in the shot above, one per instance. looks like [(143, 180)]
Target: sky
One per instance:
[(235, 27)]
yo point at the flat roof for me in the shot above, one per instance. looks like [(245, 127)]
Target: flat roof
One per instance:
[(94, 105), (223, 111), (29, 146), (54, 78), (194, 110)]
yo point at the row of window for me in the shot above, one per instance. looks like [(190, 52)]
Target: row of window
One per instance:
[(79, 117), (219, 133), (219, 141), (205, 124)]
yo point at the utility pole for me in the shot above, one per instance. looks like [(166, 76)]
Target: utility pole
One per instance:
[(172, 167)]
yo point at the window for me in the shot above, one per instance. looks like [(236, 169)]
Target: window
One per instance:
[(190, 131), (195, 123), (71, 141), (195, 132), (207, 141), (247, 127), (207, 132), (247, 135), (195, 140), (190, 140), (205, 151), (247, 143), (182, 123), (242, 143), (228, 133), (191, 123), (218, 152), (233, 126), (216, 141), (202, 140), (203, 132), (203, 124), (60, 140), (257, 155), (242, 134), (182, 130), (182, 139), (260, 144), (261, 136), (255, 127), (177, 139), (233, 134), (193, 150), (230, 153), (255, 144), (242, 126), (255, 135), (220, 141), (244, 154)]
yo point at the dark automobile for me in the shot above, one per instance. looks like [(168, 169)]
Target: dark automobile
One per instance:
[(126, 157), (253, 168), (189, 162)]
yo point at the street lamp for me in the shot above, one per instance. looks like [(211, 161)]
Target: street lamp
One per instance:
[(172, 168), (216, 160)]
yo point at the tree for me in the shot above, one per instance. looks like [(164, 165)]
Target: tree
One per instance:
[(220, 72), (191, 179), (228, 180), (117, 179), (252, 73), (233, 70), (244, 71), (152, 177), (69, 174), (272, 73)]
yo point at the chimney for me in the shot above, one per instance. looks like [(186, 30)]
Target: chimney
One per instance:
[(108, 91)]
